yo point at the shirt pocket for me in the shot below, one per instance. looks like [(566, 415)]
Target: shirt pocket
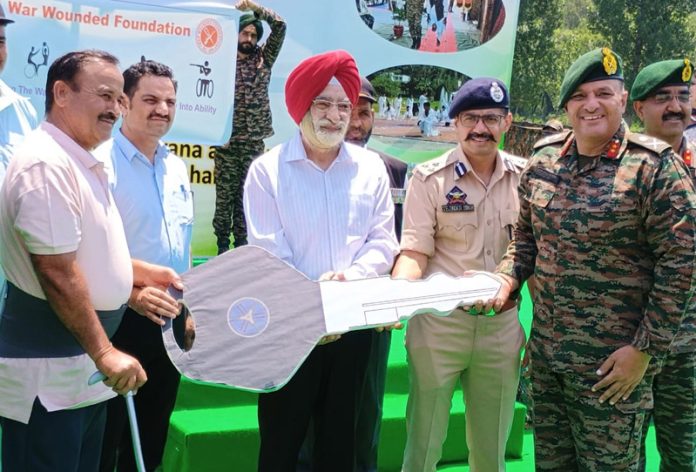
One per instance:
[(456, 231), (508, 220), (541, 194), (612, 224), (181, 206)]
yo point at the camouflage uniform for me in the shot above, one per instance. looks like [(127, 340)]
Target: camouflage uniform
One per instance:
[(251, 125), (674, 387), (611, 243), (414, 14)]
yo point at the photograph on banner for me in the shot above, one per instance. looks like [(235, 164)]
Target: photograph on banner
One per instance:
[(412, 120), (434, 25), (196, 43)]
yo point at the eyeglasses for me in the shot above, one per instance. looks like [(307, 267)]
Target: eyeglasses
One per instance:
[(665, 97), (322, 105), (470, 120)]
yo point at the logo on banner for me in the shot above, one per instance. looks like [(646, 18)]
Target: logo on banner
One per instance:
[(209, 36), (31, 70), (248, 317), (204, 85)]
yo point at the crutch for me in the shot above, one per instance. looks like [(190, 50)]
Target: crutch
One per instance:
[(132, 419)]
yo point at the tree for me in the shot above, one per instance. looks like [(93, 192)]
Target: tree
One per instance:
[(645, 31), (535, 67)]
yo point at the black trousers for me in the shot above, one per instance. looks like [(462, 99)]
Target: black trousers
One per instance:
[(154, 402), (326, 389), (68, 440)]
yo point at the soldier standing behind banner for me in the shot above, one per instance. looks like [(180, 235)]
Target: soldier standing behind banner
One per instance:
[(607, 227), (660, 97), (252, 120), (414, 13)]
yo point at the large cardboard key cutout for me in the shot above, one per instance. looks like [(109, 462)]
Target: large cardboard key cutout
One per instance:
[(257, 318)]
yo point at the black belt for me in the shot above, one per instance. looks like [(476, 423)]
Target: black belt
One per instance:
[(29, 328)]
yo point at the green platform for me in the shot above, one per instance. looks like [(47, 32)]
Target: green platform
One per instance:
[(215, 428)]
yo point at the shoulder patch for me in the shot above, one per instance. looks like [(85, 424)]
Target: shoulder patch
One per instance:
[(552, 139), (648, 142), (513, 163), (422, 171)]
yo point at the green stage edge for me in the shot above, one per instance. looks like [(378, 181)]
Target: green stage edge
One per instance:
[(214, 428)]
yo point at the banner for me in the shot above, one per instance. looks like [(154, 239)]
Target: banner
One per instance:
[(413, 52), (198, 44)]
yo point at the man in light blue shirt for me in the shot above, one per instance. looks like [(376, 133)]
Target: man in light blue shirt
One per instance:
[(324, 207), (17, 118), (151, 189)]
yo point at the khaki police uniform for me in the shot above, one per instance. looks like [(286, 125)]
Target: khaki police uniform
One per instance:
[(461, 224)]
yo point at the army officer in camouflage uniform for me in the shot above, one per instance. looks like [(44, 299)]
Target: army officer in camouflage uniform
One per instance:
[(251, 123), (607, 227), (660, 97)]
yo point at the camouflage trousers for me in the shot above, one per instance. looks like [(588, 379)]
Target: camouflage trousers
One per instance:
[(231, 166), (414, 14), (674, 414), (574, 432)]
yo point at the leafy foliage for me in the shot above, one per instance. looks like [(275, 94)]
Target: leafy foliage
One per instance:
[(418, 79), (553, 33)]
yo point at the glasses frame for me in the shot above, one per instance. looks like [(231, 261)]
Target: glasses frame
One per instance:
[(482, 118), (324, 106), (662, 98)]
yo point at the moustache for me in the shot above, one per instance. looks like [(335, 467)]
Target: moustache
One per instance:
[(480, 136), (334, 127), (671, 114), (108, 116), (157, 115)]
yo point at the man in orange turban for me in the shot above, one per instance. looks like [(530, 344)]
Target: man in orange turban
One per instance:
[(324, 207)]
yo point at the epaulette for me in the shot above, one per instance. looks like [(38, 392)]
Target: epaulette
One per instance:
[(512, 162), (552, 139), (648, 142), (422, 171)]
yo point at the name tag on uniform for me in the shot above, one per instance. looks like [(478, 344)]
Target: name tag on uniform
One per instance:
[(398, 195), (545, 175)]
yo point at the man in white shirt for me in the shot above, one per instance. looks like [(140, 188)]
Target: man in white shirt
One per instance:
[(324, 207), (17, 119), (69, 276)]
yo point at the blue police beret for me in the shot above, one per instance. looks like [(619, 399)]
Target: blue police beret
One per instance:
[(475, 94)]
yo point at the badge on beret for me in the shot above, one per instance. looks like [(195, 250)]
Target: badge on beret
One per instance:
[(687, 71), (609, 61), (497, 93)]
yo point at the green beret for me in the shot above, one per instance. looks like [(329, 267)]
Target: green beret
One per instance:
[(600, 64), (661, 74), (251, 19)]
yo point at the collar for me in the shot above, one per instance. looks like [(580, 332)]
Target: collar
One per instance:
[(295, 151), (613, 150), (686, 152), (130, 151), (462, 166), (73, 149)]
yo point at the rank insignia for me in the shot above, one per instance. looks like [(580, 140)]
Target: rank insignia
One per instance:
[(456, 201), (497, 93), (613, 149), (687, 157), (609, 61), (687, 71)]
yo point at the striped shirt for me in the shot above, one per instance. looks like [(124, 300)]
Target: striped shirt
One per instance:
[(340, 219)]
